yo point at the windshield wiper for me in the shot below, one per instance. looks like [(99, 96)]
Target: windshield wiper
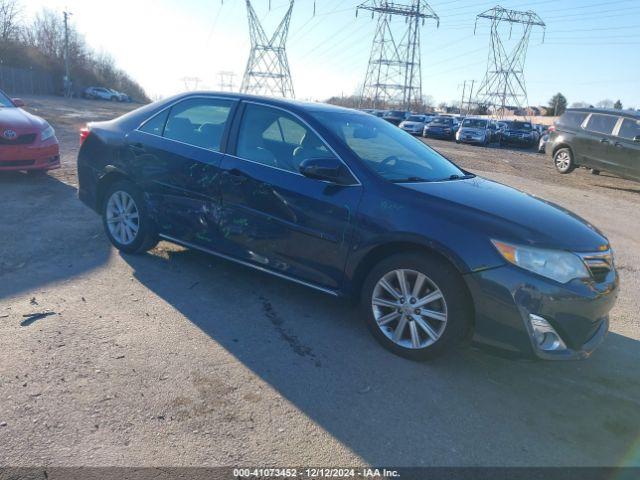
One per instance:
[(458, 177), (410, 180)]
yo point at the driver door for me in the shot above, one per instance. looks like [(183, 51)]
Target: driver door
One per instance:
[(273, 216)]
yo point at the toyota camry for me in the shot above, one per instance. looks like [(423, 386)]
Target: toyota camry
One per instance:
[(345, 203)]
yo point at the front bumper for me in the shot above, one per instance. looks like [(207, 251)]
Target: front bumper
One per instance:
[(505, 297), (438, 134), (29, 157), (471, 138), (515, 140), (413, 130)]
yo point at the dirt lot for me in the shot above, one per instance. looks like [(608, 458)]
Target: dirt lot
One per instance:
[(179, 359)]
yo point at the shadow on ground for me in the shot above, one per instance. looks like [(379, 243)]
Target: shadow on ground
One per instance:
[(45, 223), (315, 352)]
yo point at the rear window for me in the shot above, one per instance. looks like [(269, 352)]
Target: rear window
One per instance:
[(415, 118), (572, 119), (629, 129), (602, 123)]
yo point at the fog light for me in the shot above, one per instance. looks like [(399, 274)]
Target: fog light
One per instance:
[(545, 336)]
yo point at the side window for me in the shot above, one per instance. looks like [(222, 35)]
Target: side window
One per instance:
[(572, 119), (272, 137), (199, 122), (155, 126), (602, 123), (629, 129)]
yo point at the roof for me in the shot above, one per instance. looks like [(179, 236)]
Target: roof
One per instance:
[(609, 111), (283, 102)]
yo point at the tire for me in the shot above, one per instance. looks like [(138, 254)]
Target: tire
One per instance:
[(146, 237), (114, 99), (455, 305), (563, 161)]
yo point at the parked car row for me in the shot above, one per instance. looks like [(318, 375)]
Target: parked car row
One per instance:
[(102, 93)]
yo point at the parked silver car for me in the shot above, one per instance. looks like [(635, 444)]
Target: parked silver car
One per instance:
[(474, 130), (101, 93), (415, 124)]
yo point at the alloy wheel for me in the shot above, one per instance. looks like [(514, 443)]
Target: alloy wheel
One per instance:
[(123, 218), (563, 161), (409, 308)]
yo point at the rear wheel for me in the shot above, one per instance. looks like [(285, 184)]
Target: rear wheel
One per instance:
[(126, 220), (563, 160), (416, 305)]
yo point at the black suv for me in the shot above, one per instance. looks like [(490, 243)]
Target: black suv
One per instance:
[(518, 133), (607, 140)]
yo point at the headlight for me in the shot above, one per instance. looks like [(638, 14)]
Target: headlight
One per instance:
[(47, 133), (557, 265)]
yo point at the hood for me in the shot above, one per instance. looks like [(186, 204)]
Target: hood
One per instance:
[(473, 131), (507, 214), (20, 121)]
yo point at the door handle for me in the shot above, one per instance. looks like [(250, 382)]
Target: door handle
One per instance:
[(604, 140)]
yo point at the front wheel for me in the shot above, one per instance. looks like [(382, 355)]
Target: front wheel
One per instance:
[(563, 160), (126, 220), (416, 305)]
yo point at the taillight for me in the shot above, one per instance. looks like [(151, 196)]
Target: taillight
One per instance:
[(552, 128), (84, 133)]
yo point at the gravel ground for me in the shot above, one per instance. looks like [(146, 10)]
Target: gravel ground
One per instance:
[(179, 359)]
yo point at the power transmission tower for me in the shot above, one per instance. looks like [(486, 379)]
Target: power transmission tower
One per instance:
[(191, 83), (67, 85), (267, 71), (394, 75), (227, 83), (504, 83), (466, 105)]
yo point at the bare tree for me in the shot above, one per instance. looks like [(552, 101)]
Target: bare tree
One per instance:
[(606, 103), (10, 13)]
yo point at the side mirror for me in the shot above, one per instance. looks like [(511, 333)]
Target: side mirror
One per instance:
[(636, 139), (18, 102), (328, 169)]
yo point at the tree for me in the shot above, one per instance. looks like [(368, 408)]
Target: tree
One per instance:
[(10, 11), (606, 103), (579, 105), (557, 104), (618, 105)]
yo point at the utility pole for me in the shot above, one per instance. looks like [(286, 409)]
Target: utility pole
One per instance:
[(504, 83), (267, 71), (394, 74), (67, 71), (464, 90)]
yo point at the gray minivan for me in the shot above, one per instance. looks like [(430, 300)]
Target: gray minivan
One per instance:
[(602, 140)]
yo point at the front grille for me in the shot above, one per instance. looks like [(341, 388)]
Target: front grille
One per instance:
[(26, 139), (599, 264), (17, 163)]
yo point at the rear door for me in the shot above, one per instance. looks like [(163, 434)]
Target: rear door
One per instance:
[(627, 148), (273, 216), (176, 158), (596, 142)]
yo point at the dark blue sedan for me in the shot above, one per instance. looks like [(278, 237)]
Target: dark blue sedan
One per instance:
[(346, 203)]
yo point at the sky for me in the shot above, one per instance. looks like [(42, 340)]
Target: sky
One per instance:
[(589, 51)]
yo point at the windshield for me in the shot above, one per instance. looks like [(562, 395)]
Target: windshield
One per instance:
[(519, 125), (474, 123), (387, 150), (415, 118), (442, 121), (5, 101), (395, 113)]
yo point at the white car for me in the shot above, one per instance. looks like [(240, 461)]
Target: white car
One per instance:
[(101, 93), (415, 124)]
